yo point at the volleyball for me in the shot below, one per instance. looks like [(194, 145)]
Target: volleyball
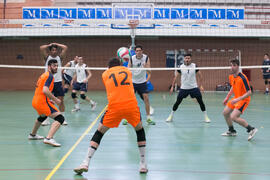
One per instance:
[(123, 54)]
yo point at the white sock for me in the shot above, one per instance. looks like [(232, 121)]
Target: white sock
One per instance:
[(172, 113), (92, 102), (142, 153), (77, 106), (89, 155)]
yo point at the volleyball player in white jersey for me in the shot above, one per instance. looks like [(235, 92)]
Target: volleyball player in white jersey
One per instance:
[(139, 79), (69, 73), (188, 86), (80, 83), (55, 51)]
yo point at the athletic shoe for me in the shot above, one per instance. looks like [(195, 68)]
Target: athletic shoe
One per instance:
[(252, 133), (170, 118), (143, 168), (35, 137), (93, 106), (206, 119), (266, 92), (152, 110), (65, 123), (51, 142), (45, 123), (75, 109), (229, 133), (82, 168), (124, 122), (150, 121)]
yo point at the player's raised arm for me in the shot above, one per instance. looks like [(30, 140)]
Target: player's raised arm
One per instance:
[(44, 51), (64, 49)]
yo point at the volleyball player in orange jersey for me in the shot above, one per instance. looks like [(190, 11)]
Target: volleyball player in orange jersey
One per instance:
[(43, 103), (122, 104), (237, 105)]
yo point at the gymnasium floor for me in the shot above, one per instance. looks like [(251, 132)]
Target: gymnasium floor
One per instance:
[(184, 149)]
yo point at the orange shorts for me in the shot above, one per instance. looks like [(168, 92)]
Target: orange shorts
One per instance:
[(44, 108), (112, 117), (240, 105)]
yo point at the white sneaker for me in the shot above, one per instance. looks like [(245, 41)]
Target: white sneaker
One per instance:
[(170, 118), (51, 142), (75, 110), (65, 123), (35, 137), (93, 106), (143, 168), (82, 168), (152, 110), (229, 133), (206, 119), (46, 122), (252, 133)]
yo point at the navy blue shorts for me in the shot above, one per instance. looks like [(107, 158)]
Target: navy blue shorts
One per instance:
[(267, 76), (140, 88), (67, 79), (194, 93), (80, 86), (58, 89)]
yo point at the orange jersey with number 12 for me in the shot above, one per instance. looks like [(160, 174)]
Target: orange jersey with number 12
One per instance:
[(119, 87)]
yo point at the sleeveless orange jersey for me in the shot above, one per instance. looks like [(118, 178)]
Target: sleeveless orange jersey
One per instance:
[(119, 87), (40, 101), (240, 85)]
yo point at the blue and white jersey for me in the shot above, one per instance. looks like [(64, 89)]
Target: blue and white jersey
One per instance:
[(70, 72), (81, 72), (188, 76), (57, 76), (138, 76)]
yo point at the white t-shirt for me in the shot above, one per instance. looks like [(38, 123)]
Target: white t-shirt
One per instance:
[(188, 76), (70, 72), (139, 76), (57, 76), (81, 72)]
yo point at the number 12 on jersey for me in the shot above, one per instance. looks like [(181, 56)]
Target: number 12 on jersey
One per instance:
[(123, 81)]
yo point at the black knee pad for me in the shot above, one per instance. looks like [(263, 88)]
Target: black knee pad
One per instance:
[(41, 119), (60, 118), (97, 137), (266, 82), (73, 95), (83, 96), (140, 135)]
